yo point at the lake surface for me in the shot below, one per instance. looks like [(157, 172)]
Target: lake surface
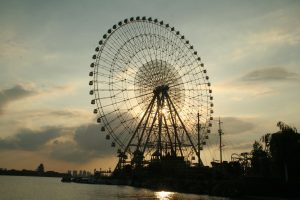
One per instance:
[(43, 188)]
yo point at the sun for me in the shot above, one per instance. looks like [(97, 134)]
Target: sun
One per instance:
[(163, 195)]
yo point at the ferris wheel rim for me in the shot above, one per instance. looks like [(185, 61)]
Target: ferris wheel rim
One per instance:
[(102, 43)]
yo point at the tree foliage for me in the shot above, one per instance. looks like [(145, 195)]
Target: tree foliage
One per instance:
[(285, 152), (40, 168), (260, 160)]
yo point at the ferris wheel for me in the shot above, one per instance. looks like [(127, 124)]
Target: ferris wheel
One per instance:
[(151, 91)]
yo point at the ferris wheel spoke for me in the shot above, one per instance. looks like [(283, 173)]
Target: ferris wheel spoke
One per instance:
[(119, 40), (122, 90), (171, 86), (176, 49), (134, 45), (142, 42), (128, 54), (124, 100)]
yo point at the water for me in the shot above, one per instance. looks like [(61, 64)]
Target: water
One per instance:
[(43, 188)]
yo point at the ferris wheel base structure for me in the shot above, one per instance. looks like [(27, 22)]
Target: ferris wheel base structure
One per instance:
[(164, 150), (152, 95)]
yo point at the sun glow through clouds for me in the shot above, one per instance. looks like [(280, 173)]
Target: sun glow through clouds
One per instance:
[(163, 195)]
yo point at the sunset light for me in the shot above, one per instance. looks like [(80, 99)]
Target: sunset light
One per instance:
[(130, 97), (163, 195)]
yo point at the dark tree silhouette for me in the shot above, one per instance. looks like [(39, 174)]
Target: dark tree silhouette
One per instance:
[(260, 161), (285, 152), (266, 140), (40, 169)]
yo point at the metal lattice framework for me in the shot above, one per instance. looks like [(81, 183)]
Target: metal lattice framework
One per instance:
[(151, 91)]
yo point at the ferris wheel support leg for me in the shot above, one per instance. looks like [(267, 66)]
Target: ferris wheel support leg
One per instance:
[(149, 133), (198, 135), (138, 126), (159, 105), (175, 129), (145, 125), (169, 136), (184, 128)]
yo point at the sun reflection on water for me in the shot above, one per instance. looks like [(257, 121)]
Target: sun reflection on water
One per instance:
[(163, 195)]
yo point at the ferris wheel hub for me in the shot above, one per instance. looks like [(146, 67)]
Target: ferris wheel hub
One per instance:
[(161, 89)]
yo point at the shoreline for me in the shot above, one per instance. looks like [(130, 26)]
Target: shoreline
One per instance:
[(220, 188)]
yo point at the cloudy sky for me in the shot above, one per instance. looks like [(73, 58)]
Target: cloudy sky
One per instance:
[(250, 48)]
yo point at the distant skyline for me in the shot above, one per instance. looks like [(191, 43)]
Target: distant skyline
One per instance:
[(250, 48)]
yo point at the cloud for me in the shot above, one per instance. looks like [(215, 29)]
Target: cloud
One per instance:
[(77, 145), (88, 143), (234, 125), (21, 91), (15, 93), (64, 116), (71, 152), (240, 147), (258, 83), (276, 36), (11, 45), (270, 74), (89, 137), (31, 140), (260, 43), (238, 90)]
